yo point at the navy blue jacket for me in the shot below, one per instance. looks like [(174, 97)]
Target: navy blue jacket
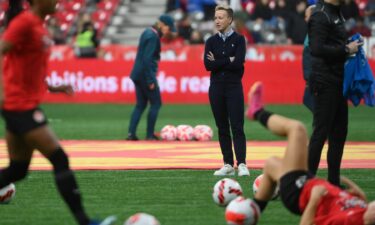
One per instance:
[(148, 54), (222, 69)]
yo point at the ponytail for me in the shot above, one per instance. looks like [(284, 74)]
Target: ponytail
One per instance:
[(15, 8)]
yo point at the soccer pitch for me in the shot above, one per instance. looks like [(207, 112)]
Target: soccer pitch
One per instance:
[(180, 197)]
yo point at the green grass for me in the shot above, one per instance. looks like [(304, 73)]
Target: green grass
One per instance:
[(110, 122), (175, 197)]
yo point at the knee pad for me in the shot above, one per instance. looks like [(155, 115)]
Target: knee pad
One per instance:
[(59, 160)]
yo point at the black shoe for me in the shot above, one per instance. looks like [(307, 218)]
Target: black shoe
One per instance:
[(132, 138), (153, 138)]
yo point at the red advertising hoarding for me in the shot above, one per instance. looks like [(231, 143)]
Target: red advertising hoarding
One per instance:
[(98, 81), (182, 76)]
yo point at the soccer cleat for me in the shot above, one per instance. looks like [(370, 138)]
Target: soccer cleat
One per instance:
[(255, 100), (132, 137), (107, 221), (243, 170), (226, 170)]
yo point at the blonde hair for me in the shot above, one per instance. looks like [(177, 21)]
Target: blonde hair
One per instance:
[(225, 8)]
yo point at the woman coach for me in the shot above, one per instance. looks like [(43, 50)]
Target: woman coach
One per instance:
[(224, 58)]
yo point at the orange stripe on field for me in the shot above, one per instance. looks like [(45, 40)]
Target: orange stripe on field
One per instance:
[(119, 155)]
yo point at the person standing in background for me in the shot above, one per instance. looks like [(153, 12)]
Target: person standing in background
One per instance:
[(224, 57), (144, 76), (329, 51)]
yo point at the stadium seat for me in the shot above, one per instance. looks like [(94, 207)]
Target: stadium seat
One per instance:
[(107, 5), (65, 17), (100, 15)]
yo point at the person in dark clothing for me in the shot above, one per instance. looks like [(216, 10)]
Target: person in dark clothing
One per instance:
[(281, 10), (184, 28), (329, 50), (262, 11), (144, 76), (224, 57), (350, 9), (296, 25)]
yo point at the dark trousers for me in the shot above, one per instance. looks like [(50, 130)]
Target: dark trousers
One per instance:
[(145, 95), (227, 104), (330, 122)]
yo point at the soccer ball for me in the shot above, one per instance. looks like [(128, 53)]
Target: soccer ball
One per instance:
[(7, 193), (142, 219), (242, 211), (168, 133), (203, 133), (256, 185), (225, 190), (185, 133)]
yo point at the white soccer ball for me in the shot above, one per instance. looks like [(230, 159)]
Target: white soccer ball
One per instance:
[(168, 133), (7, 193), (203, 133), (242, 211), (256, 185), (185, 133), (142, 219), (225, 190)]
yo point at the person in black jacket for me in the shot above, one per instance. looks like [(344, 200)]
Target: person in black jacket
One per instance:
[(224, 58), (329, 50)]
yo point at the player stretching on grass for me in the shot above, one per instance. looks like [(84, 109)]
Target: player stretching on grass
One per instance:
[(24, 54), (318, 201)]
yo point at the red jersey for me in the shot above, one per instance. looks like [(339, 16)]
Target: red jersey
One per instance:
[(337, 207), (25, 65)]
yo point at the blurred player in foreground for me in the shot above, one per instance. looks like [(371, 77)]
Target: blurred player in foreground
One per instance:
[(24, 51), (318, 201)]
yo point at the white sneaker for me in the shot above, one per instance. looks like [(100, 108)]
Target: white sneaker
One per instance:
[(226, 170), (242, 170)]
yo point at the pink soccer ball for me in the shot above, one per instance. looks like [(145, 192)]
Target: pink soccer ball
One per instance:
[(203, 133), (168, 133), (185, 133)]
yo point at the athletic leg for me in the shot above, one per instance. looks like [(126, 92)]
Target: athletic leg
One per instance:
[(138, 109), (272, 171), (295, 156), (43, 139), (155, 102), (20, 156)]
